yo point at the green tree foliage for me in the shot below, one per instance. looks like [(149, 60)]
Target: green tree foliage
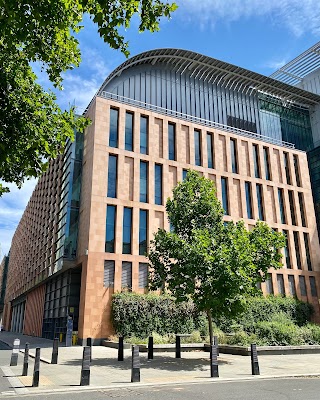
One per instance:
[(32, 126), (216, 265)]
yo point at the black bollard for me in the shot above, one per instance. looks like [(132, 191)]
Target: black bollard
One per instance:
[(120, 349), (15, 352), (25, 360), (135, 370), (178, 346), (214, 368), (89, 344), (55, 350), (254, 360), (36, 370), (215, 341), (85, 370), (150, 348)]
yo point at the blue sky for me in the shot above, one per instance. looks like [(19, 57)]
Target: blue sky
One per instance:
[(254, 34)]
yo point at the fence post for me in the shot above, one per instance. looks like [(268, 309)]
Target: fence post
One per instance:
[(25, 360), (254, 360), (55, 350), (36, 370), (135, 369), (214, 368), (178, 346), (85, 370), (150, 348), (120, 349)]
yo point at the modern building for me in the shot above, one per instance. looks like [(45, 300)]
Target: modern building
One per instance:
[(3, 283), (85, 231)]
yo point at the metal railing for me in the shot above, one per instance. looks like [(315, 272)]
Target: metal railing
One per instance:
[(191, 118)]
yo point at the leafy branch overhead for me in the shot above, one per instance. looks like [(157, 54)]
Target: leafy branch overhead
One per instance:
[(32, 126)]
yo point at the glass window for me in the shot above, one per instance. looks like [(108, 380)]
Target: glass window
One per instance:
[(297, 169), (286, 250), (184, 174), (256, 161), (301, 206), (292, 285), (225, 201), (210, 150), (143, 275), (128, 145), (313, 286), (127, 230), (112, 176), (158, 184), (248, 200), (280, 283), (113, 134), (110, 229), (172, 141), (306, 244), (143, 181), (269, 284), (143, 222), (297, 248), (234, 158), (108, 277), (197, 147), (287, 168), (126, 275), (260, 202), (292, 207), (302, 283), (143, 135), (281, 207), (267, 163)]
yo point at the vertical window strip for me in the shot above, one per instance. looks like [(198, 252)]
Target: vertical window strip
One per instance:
[(197, 147), (313, 286), (126, 275), (286, 250), (281, 207), (297, 169), (260, 202), (143, 222), (234, 156), (280, 283), (256, 161), (269, 284), (184, 174), (172, 141), (143, 181), (128, 145), (127, 231), (112, 176), (297, 248), (292, 285), (301, 206), (110, 229), (306, 245), (210, 150), (158, 184), (292, 207), (108, 277), (114, 125), (249, 200), (143, 275), (287, 168), (224, 190), (302, 284), (143, 135), (267, 163)]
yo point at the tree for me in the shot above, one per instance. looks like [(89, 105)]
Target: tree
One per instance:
[(32, 126), (216, 264)]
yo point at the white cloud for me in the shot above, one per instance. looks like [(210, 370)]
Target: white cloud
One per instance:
[(298, 16), (276, 64)]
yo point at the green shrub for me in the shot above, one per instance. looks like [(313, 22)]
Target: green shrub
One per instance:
[(279, 334), (242, 338)]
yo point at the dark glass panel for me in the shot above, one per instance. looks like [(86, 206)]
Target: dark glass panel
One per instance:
[(248, 200), (234, 158), (210, 150), (112, 176), (143, 221), (172, 141), (224, 189), (143, 135), (197, 147), (158, 184), (127, 230), (113, 134), (110, 229), (260, 202), (143, 181), (128, 145)]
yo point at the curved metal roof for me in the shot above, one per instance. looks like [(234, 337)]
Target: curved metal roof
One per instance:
[(215, 71)]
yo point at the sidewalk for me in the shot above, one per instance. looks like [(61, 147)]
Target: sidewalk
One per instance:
[(106, 371)]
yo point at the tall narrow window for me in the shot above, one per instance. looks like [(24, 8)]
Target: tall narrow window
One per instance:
[(292, 285), (143, 135), (297, 169), (210, 150), (126, 275), (197, 147), (297, 248), (128, 145), (112, 176), (266, 163), (302, 283), (256, 161), (184, 174), (301, 206), (313, 286), (127, 230), (172, 141), (248, 200), (108, 277), (110, 229), (281, 207), (260, 202), (143, 181), (113, 133), (306, 245), (158, 184), (269, 284), (292, 207), (280, 283), (286, 250), (287, 167), (143, 275), (225, 200), (143, 221), (234, 156)]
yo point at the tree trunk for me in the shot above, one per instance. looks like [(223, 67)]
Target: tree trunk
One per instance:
[(210, 326)]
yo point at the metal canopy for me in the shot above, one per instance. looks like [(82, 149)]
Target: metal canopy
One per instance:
[(293, 72), (215, 71)]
